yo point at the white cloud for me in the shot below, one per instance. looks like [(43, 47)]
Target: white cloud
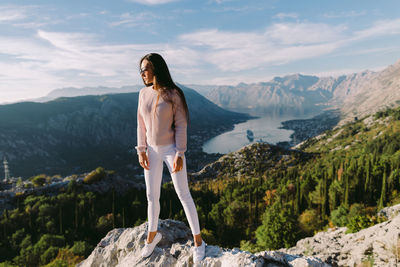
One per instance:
[(304, 33), (286, 15), (144, 19), (153, 2), (12, 13), (36, 64), (346, 14), (380, 28), (28, 16), (279, 44), (45, 60)]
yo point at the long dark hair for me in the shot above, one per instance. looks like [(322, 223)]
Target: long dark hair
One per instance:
[(164, 79)]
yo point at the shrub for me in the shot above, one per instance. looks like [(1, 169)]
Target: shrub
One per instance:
[(39, 180), (208, 236), (356, 209), (104, 223), (309, 221), (339, 216), (65, 258), (357, 223), (247, 245), (95, 176), (81, 248), (48, 255), (17, 238)]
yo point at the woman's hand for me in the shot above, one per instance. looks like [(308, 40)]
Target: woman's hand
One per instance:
[(144, 161), (178, 164)]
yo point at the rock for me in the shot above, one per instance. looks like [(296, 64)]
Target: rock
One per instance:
[(390, 212), (122, 247), (377, 244)]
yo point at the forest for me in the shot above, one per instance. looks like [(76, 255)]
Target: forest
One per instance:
[(269, 197)]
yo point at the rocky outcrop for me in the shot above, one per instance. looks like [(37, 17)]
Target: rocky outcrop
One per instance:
[(253, 157), (390, 212), (122, 247), (378, 245)]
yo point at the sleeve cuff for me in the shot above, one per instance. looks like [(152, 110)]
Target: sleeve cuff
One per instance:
[(140, 149), (180, 154)]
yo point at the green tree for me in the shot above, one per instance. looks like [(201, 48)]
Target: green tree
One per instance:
[(339, 215), (278, 229)]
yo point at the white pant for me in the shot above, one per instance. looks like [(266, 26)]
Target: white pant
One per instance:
[(156, 155)]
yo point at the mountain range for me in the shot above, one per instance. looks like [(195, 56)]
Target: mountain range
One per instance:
[(356, 95)]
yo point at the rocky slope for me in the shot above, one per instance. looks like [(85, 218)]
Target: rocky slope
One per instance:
[(381, 90), (122, 247), (257, 156), (287, 95), (378, 245)]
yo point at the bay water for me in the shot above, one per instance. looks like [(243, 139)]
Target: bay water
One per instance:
[(265, 129)]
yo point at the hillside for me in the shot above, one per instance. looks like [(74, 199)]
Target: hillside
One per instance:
[(77, 134), (340, 178), (268, 196)]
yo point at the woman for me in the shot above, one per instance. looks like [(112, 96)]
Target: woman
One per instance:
[(162, 121)]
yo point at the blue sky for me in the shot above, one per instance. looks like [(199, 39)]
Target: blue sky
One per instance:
[(46, 45)]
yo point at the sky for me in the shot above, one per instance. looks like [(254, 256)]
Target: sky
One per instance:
[(50, 44)]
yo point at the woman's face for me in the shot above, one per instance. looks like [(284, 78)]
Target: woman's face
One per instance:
[(146, 71)]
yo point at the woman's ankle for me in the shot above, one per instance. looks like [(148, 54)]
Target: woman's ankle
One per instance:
[(150, 237)]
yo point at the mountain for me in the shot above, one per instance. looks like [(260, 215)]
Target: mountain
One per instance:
[(78, 134), (201, 89), (287, 95), (356, 95), (99, 90), (102, 90), (376, 92)]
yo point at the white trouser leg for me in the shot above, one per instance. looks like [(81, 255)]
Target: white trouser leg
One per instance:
[(181, 186), (153, 187), (156, 156)]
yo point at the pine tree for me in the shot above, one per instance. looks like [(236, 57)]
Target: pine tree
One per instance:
[(382, 199), (297, 209), (346, 190)]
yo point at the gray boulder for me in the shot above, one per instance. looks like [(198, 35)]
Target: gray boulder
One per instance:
[(378, 245), (122, 247)]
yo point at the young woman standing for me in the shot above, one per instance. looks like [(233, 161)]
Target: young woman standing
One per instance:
[(161, 137)]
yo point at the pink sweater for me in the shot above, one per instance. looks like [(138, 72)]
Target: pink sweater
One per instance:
[(154, 124)]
